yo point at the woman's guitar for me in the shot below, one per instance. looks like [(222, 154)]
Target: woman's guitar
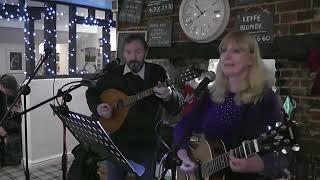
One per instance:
[(121, 103), (212, 157)]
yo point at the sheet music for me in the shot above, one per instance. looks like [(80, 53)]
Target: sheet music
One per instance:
[(137, 168), (89, 130)]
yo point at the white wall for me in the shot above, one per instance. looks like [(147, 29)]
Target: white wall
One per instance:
[(44, 128)]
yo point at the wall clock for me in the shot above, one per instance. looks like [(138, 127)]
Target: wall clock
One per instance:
[(204, 20)]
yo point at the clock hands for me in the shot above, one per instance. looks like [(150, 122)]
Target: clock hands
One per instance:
[(193, 20), (201, 12)]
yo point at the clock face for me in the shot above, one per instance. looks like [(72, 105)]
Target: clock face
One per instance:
[(204, 20)]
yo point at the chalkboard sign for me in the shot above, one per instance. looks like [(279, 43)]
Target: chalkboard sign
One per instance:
[(259, 23), (121, 36), (131, 11), (159, 7), (159, 33)]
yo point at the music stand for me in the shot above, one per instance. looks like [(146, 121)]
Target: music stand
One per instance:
[(88, 131)]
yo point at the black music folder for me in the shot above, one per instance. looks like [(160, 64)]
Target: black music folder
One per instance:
[(88, 131)]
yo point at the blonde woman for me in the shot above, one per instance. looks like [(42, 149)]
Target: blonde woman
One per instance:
[(239, 107)]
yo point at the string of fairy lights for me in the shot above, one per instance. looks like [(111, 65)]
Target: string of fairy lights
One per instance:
[(20, 12)]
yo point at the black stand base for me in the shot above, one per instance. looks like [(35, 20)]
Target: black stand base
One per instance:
[(169, 161)]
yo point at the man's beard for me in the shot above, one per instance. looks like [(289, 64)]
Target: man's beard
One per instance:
[(135, 66)]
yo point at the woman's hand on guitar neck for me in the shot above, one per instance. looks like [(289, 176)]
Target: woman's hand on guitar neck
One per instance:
[(252, 164), (104, 110), (188, 165)]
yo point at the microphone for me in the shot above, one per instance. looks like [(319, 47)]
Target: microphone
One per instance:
[(208, 78), (111, 65), (202, 86)]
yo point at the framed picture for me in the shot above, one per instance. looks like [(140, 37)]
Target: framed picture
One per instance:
[(90, 54), (121, 36), (15, 61)]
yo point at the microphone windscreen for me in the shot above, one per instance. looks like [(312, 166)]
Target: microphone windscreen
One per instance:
[(210, 74), (202, 85)]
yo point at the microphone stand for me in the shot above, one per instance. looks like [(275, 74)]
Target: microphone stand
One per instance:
[(66, 96), (164, 162), (170, 161), (25, 90)]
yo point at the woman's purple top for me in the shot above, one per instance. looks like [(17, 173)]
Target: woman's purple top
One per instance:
[(233, 124)]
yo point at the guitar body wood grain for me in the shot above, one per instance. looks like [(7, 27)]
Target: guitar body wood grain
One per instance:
[(121, 103), (113, 97)]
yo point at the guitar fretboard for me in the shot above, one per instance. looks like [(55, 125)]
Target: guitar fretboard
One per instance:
[(222, 161), (137, 97), (185, 76)]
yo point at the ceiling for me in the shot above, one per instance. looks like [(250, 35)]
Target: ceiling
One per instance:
[(62, 16), (101, 4)]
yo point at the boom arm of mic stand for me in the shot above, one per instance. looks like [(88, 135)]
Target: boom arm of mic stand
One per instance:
[(59, 94)]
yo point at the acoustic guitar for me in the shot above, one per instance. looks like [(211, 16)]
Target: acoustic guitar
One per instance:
[(121, 103), (211, 156)]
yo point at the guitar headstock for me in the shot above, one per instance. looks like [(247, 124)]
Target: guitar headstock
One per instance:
[(190, 74), (280, 137)]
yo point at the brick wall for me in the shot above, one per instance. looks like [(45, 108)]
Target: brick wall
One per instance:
[(295, 79), (291, 17)]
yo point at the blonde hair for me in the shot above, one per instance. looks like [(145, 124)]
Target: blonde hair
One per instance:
[(252, 88)]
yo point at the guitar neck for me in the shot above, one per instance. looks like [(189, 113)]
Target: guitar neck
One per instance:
[(187, 75), (222, 161), (141, 95)]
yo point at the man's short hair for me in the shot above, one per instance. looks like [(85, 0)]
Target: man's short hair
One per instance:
[(9, 82), (136, 37)]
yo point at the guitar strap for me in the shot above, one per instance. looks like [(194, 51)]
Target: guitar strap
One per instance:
[(238, 137), (243, 123), (147, 75)]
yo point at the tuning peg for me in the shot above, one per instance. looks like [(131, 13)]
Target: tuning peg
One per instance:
[(284, 151), (296, 147), (278, 124), (269, 128)]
